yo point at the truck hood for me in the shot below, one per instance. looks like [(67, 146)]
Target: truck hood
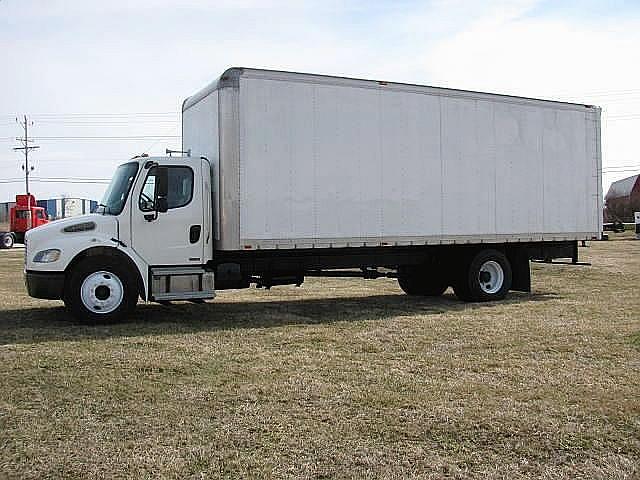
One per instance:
[(93, 225), (70, 236)]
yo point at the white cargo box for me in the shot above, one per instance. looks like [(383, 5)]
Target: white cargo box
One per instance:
[(309, 161)]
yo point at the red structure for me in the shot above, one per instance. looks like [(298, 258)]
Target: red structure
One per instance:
[(25, 215), (622, 199)]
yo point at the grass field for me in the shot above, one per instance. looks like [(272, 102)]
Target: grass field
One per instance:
[(337, 379)]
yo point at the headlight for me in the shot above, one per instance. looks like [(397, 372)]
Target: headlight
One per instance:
[(47, 256)]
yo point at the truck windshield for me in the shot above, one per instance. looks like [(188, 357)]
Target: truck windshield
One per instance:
[(115, 197)]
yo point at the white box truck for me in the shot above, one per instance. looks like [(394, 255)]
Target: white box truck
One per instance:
[(289, 175)]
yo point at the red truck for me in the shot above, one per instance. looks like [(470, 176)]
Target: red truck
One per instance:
[(25, 215)]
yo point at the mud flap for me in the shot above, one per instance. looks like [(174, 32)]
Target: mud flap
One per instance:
[(520, 269)]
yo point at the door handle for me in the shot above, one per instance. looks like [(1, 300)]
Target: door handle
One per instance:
[(194, 233)]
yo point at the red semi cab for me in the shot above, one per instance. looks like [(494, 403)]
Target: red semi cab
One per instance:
[(24, 216)]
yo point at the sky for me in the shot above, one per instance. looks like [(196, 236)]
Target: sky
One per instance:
[(117, 71)]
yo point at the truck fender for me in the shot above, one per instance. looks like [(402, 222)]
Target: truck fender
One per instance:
[(121, 255)]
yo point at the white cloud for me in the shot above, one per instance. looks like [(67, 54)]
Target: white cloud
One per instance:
[(553, 58)]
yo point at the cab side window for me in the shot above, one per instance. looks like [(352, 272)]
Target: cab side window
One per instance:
[(180, 188), (147, 194)]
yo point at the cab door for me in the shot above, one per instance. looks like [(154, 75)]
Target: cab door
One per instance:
[(174, 237)]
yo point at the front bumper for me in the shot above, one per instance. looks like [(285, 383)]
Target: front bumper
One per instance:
[(48, 285)]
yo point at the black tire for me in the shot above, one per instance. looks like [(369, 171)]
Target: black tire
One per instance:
[(486, 277), (111, 287), (6, 241), (421, 281)]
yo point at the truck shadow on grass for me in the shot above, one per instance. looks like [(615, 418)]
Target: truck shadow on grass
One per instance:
[(37, 325)]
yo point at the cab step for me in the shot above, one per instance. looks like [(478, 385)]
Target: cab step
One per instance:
[(181, 283)]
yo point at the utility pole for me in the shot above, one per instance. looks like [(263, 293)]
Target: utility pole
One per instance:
[(27, 148), (26, 167)]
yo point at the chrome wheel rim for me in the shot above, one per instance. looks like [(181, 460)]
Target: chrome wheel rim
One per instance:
[(101, 292), (491, 277), (7, 241)]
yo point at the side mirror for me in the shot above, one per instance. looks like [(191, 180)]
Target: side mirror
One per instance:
[(161, 204), (162, 189)]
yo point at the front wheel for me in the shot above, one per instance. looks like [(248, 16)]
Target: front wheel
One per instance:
[(485, 278), (6, 241), (100, 290)]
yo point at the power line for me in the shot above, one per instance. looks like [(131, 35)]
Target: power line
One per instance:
[(622, 166), (96, 114), (103, 163), (61, 180), (613, 93), (601, 93), (635, 165), (629, 116), (622, 171), (105, 137), (72, 177), (92, 122)]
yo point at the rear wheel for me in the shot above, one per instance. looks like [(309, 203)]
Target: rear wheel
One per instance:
[(485, 278), (100, 290), (422, 281), (6, 241)]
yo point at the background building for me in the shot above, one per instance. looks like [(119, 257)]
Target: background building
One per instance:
[(622, 199)]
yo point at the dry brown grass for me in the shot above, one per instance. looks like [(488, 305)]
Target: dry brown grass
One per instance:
[(337, 379)]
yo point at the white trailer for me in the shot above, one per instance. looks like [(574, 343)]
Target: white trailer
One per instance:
[(309, 161), (291, 175)]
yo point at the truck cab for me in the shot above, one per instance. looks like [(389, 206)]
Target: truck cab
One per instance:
[(150, 237), (25, 215)]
